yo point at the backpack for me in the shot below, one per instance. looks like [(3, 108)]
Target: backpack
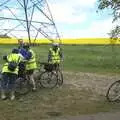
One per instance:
[(12, 65), (26, 54)]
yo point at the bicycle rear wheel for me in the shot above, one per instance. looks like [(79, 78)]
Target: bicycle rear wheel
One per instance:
[(48, 80), (60, 78), (21, 86), (113, 93)]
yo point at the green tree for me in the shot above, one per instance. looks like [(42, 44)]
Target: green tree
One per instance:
[(113, 5)]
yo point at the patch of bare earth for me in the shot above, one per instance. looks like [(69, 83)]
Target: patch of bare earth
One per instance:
[(84, 93), (97, 84), (81, 94)]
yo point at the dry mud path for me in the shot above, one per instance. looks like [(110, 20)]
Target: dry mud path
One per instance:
[(96, 83), (82, 97), (94, 87), (100, 116)]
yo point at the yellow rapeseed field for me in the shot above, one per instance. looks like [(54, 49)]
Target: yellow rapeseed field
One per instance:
[(65, 41)]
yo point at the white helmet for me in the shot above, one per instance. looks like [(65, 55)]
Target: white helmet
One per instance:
[(55, 44)]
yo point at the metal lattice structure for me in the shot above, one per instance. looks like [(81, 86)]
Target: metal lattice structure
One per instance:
[(27, 18)]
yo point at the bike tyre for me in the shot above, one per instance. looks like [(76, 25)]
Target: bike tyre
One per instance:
[(110, 89), (44, 77)]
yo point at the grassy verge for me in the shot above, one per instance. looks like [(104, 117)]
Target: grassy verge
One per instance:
[(86, 58)]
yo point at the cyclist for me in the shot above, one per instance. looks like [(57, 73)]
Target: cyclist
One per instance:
[(9, 74), (31, 64), (55, 55), (20, 43)]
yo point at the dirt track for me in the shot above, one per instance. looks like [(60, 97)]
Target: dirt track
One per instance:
[(81, 97), (100, 116), (96, 83)]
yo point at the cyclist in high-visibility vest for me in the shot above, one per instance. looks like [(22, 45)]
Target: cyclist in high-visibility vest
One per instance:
[(9, 74), (55, 55), (20, 43), (31, 64)]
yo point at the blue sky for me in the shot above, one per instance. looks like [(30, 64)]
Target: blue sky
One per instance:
[(73, 18), (78, 18)]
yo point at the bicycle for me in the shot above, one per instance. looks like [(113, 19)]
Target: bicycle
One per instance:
[(113, 92), (22, 84), (56, 68), (49, 77)]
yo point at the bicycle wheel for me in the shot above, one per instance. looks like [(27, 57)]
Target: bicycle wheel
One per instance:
[(21, 86), (0, 79), (113, 93), (48, 79), (60, 78)]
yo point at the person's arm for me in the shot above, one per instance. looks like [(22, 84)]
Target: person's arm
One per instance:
[(5, 58), (49, 56), (29, 55), (61, 54)]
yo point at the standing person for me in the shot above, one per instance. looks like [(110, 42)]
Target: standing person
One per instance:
[(31, 64), (55, 55), (20, 43), (10, 73)]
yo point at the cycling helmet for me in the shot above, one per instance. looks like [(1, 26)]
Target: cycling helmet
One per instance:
[(55, 44), (15, 50), (26, 46)]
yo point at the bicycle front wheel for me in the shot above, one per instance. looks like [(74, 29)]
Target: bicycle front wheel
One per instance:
[(60, 78), (113, 93), (21, 86), (48, 80)]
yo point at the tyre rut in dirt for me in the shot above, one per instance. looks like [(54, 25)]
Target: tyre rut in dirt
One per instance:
[(113, 93), (22, 86), (48, 80)]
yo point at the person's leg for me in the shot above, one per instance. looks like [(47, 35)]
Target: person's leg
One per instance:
[(30, 75), (33, 82), (4, 83), (11, 85)]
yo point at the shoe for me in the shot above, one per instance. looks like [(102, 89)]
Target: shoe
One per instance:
[(12, 97), (3, 97), (34, 89)]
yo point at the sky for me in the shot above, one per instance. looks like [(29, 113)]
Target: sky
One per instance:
[(79, 19), (73, 18)]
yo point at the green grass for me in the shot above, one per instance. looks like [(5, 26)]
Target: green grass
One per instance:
[(92, 58), (85, 58)]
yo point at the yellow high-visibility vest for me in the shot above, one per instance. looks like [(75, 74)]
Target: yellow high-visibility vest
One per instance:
[(12, 57), (31, 63), (55, 56)]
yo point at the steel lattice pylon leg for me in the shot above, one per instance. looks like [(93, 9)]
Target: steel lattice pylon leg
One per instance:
[(27, 18)]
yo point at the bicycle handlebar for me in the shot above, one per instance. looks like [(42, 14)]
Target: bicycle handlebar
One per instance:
[(43, 63)]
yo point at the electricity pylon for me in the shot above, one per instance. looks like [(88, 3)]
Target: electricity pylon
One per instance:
[(27, 18)]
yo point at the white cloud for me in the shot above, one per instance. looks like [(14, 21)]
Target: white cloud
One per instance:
[(75, 13), (85, 3), (70, 11), (100, 28), (72, 14), (96, 29), (74, 2), (64, 14)]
